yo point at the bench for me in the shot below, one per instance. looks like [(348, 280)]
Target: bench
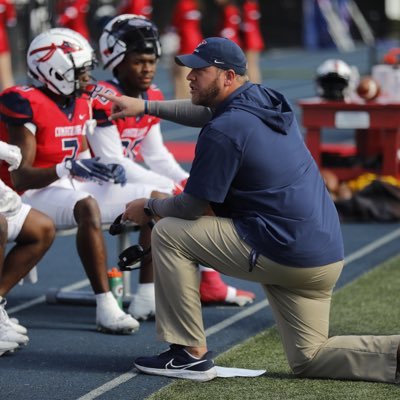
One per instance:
[(87, 297), (183, 152)]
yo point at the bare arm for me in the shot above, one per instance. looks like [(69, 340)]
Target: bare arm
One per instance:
[(26, 176)]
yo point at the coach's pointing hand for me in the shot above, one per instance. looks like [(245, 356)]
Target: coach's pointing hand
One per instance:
[(124, 106)]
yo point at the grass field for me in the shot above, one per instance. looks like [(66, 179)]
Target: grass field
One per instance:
[(370, 305)]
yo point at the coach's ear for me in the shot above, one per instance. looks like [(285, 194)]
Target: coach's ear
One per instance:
[(230, 76)]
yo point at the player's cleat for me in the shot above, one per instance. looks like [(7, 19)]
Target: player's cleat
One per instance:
[(17, 327), (7, 347), (143, 306), (7, 332), (178, 363), (214, 290), (13, 321), (117, 323)]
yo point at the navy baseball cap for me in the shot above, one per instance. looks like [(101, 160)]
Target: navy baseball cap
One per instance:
[(221, 52)]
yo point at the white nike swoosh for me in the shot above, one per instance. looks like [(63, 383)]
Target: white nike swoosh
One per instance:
[(170, 364), (81, 116), (218, 62)]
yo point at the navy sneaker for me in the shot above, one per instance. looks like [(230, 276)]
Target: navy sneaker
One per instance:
[(178, 363)]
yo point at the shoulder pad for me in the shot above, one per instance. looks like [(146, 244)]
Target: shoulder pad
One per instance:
[(15, 107)]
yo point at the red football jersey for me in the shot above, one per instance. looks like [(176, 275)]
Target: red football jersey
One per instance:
[(230, 26), (252, 38), (7, 18), (72, 14), (59, 132), (186, 20), (132, 130), (138, 7)]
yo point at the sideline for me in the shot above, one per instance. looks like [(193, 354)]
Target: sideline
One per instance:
[(108, 386), (248, 311), (95, 393), (369, 248)]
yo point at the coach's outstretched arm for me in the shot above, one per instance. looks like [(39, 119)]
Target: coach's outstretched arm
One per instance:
[(180, 111)]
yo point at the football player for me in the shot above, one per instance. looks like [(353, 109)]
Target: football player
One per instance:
[(186, 22), (73, 14), (32, 232), (130, 48), (253, 42), (8, 19), (57, 174)]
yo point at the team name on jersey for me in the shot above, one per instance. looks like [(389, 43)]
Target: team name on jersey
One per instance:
[(75, 130), (134, 132)]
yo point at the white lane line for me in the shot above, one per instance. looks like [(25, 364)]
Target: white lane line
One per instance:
[(42, 299), (369, 248), (108, 386), (236, 317)]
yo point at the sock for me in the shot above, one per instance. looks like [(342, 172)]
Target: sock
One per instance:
[(107, 301), (191, 355), (145, 289), (231, 294)]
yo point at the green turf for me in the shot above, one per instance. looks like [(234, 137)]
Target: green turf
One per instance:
[(370, 305)]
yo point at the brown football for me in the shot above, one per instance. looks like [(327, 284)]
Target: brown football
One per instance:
[(368, 88)]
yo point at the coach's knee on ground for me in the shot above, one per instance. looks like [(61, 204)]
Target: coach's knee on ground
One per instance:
[(304, 363)]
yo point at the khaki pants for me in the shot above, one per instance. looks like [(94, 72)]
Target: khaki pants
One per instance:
[(299, 298)]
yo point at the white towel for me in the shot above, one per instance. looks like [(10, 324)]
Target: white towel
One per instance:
[(225, 372)]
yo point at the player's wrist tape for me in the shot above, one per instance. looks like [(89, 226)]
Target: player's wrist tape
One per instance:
[(62, 170), (83, 155), (146, 107)]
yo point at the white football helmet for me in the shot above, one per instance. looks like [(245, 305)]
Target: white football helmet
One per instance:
[(333, 79), (55, 58), (128, 33)]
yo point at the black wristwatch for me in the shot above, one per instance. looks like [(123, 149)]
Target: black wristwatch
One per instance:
[(147, 210)]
